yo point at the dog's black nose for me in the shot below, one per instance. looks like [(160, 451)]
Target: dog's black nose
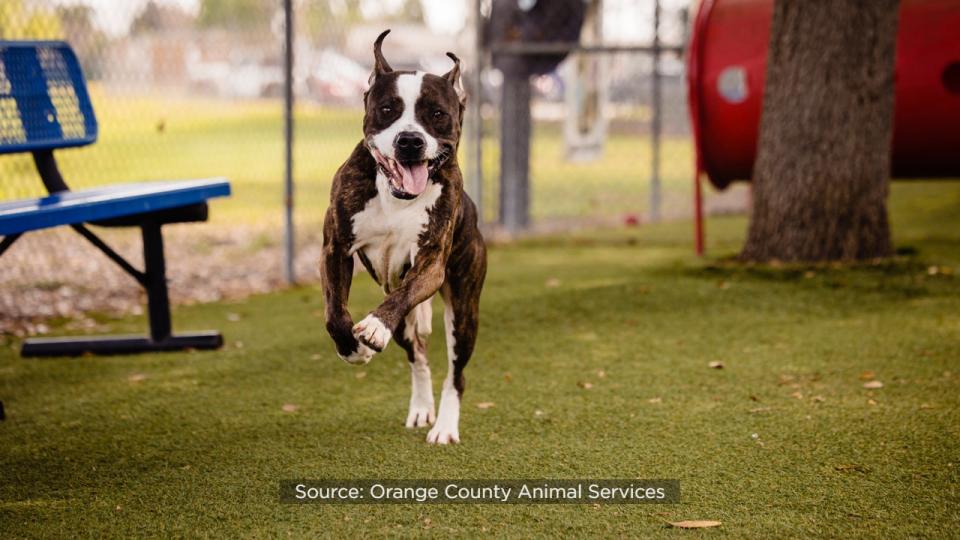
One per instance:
[(410, 141)]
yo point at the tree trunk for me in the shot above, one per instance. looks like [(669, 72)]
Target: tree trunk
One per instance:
[(821, 177)]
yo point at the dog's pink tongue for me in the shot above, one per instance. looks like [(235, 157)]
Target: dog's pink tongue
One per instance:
[(414, 178)]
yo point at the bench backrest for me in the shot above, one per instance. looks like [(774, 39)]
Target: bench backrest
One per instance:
[(44, 102)]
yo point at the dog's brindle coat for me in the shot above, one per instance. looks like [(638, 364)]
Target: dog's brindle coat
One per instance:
[(413, 244)]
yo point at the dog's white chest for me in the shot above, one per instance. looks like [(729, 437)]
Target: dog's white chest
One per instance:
[(388, 230)]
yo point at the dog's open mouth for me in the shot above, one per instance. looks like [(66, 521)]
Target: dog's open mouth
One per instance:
[(408, 179)]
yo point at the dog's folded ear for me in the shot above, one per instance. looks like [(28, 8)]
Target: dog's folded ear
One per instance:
[(453, 77), (380, 65)]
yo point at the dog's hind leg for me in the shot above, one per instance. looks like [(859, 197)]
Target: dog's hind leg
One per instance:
[(412, 335), (461, 320)]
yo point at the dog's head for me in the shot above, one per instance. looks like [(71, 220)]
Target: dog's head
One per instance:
[(412, 122)]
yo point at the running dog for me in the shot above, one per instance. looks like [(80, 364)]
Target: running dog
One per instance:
[(399, 206)]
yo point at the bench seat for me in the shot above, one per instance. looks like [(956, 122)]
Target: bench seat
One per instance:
[(106, 202)]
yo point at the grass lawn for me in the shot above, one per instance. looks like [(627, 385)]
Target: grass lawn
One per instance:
[(194, 444)]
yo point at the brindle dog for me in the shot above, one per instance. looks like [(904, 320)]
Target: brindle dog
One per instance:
[(398, 204)]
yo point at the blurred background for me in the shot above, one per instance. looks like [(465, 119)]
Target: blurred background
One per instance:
[(195, 88)]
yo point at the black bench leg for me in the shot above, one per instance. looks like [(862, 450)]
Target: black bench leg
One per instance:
[(7, 242), (158, 310), (158, 302)]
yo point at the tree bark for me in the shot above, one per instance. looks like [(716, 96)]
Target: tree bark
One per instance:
[(821, 177)]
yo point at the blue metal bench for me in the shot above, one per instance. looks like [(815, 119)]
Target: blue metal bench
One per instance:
[(44, 106)]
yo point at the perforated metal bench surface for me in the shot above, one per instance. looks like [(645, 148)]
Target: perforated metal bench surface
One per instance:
[(44, 103), (101, 203)]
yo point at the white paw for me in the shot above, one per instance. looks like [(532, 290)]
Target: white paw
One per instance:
[(361, 356), (420, 415), (444, 432), (372, 332)]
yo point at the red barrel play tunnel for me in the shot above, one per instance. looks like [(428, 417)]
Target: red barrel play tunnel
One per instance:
[(727, 68)]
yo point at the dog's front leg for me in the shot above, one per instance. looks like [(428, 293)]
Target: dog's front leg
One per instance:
[(421, 282), (336, 272)]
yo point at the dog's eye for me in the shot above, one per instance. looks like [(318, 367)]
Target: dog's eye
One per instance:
[(438, 113)]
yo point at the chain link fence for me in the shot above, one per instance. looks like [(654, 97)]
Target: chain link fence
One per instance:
[(194, 88)]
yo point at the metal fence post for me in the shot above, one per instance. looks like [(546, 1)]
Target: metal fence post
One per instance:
[(515, 153), (288, 232), (655, 122)]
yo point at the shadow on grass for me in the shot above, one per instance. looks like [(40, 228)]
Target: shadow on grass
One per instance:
[(906, 275)]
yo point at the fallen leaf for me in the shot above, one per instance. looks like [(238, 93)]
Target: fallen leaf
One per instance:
[(601, 374), (760, 409), (552, 283), (233, 317), (867, 376), (316, 356), (797, 395), (485, 405), (136, 377), (585, 385), (538, 412), (716, 364), (694, 524), (871, 402), (873, 384), (926, 406), (361, 374), (818, 399), (655, 400), (507, 377), (290, 407)]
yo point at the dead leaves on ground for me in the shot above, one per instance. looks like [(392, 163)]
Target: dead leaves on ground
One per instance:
[(694, 524)]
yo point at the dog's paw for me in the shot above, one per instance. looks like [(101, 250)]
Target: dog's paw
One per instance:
[(372, 332), (444, 432), (361, 356), (421, 414)]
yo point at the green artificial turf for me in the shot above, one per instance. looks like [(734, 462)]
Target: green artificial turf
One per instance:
[(783, 441)]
